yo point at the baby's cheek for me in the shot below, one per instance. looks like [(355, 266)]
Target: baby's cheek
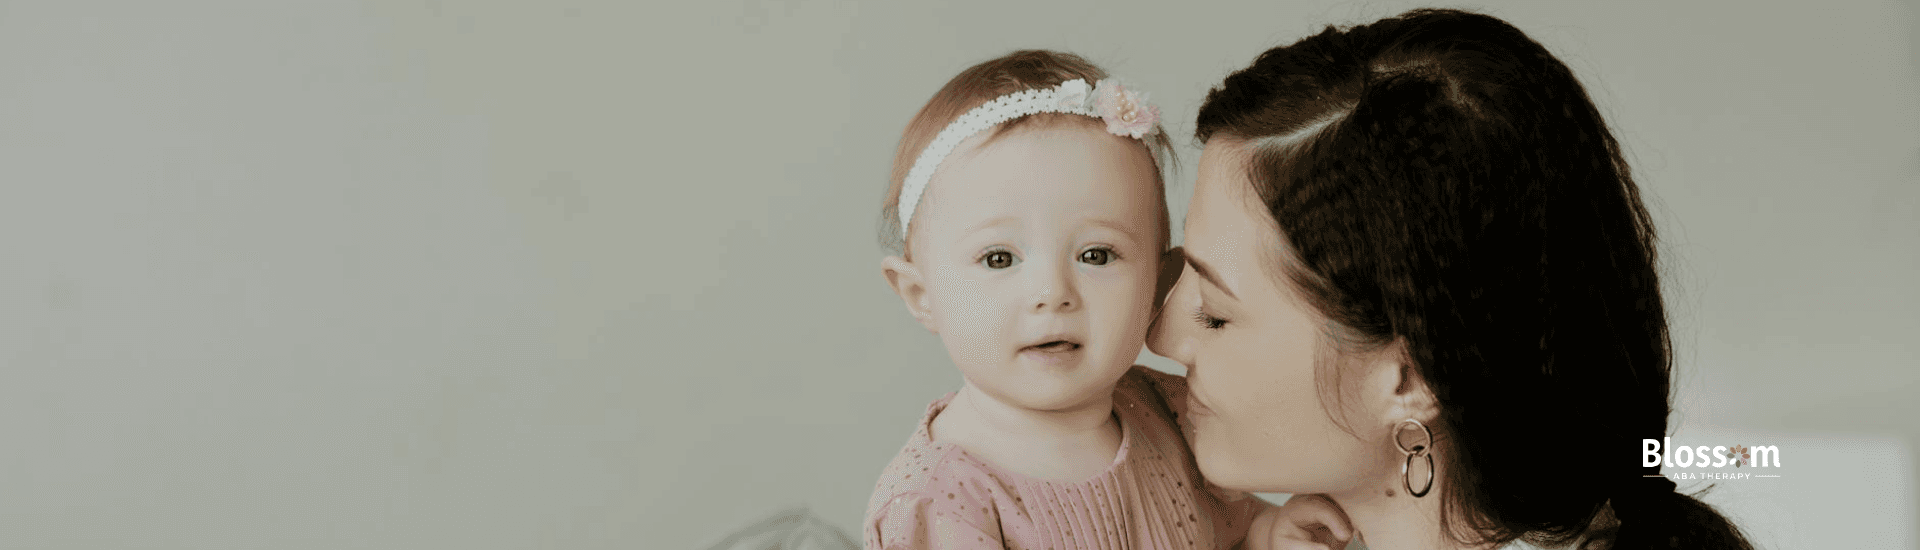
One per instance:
[(965, 302), (1140, 295), (974, 330), (979, 314)]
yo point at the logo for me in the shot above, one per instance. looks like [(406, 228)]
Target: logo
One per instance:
[(1704, 457)]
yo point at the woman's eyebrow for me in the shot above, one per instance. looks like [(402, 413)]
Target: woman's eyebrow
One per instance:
[(1207, 273)]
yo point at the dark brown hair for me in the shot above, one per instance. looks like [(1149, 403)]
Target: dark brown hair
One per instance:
[(1444, 180), (1017, 71)]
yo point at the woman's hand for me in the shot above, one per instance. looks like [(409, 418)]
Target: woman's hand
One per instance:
[(1306, 522)]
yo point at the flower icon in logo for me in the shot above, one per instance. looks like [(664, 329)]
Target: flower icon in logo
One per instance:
[(1741, 455)]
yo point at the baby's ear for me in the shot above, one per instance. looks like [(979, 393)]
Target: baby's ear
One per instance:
[(906, 281)]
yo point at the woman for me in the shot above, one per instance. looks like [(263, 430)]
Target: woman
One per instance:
[(1420, 281)]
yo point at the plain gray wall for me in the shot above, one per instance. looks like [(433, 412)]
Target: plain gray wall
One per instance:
[(603, 274)]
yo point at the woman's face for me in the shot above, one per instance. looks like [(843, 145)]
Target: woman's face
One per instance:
[(1252, 345)]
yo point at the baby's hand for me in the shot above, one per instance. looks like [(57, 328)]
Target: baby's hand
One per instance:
[(1306, 522)]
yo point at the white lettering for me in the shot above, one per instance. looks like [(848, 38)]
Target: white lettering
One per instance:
[(1663, 452)]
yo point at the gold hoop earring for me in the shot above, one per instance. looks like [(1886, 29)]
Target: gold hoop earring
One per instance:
[(1418, 451)]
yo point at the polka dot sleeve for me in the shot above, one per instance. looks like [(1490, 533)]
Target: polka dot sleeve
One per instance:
[(940, 516)]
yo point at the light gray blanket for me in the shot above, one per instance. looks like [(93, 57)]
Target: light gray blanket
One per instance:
[(794, 529)]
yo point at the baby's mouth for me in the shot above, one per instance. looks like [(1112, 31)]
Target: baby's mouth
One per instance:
[(1055, 346)]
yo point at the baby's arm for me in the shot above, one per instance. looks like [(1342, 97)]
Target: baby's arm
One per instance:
[(1305, 522)]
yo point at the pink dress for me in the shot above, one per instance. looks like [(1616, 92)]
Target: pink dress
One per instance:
[(936, 495)]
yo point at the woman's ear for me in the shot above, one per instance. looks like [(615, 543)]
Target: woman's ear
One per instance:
[(1396, 387), (907, 282), (1413, 395)]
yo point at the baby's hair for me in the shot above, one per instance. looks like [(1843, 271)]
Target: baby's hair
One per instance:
[(1017, 71)]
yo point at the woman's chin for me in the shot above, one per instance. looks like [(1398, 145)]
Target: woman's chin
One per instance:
[(1214, 467), (1227, 473)]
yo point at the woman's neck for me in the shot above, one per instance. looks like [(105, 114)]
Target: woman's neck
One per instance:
[(1397, 522)]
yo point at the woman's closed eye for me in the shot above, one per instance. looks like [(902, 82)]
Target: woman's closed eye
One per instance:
[(1206, 321)]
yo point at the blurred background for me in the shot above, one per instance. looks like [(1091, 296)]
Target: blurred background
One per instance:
[(596, 274)]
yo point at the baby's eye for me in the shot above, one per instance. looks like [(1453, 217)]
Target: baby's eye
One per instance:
[(1097, 256), (997, 259)]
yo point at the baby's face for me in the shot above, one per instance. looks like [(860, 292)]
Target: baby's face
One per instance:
[(1039, 252)]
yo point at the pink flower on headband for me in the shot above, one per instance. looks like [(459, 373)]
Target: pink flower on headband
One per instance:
[(1126, 111)]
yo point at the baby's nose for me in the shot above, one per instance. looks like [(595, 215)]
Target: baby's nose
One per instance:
[(1052, 298), (1057, 292)]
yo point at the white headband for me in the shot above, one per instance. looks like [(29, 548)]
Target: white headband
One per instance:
[(1125, 111)]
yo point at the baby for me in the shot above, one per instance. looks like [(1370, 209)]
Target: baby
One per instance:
[(1028, 216)]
